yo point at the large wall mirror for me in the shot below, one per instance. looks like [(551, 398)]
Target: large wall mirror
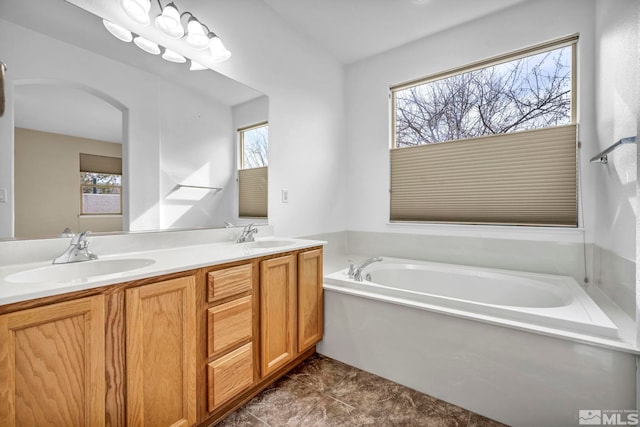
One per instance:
[(98, 135)]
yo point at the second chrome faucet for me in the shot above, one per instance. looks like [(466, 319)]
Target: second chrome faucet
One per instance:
[(247, 234), (355, 271)]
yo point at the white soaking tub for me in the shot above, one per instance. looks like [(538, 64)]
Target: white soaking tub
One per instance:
[(557, 302), (529, 350)]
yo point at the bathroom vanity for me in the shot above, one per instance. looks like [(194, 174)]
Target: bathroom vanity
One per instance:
[(181, 348)]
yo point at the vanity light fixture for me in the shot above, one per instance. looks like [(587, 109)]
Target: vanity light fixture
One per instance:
[(117, 31), (169, 21), (138, 10), (218, 52), (147, 45), (172, 56), (196, 36)]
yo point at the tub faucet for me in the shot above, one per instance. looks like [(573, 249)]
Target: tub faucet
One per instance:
[(77, 251), (247, 234), (357, 271)]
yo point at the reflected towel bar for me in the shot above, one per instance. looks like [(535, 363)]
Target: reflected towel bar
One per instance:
[(179, 186), (602, 157)]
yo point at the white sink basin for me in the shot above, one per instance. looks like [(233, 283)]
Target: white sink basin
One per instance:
[(266, 244), (78, 270)]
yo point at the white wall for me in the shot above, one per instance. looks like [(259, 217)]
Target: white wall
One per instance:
[(617, 115), (160, 121), (367, 96), (617, 73), (199, 152)]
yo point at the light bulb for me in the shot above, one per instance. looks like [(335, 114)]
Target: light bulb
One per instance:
[(196, 38), (117, 31), (147, 45), (218, 52), (138, 10), (196, 66), (169, 21), (172, 56)]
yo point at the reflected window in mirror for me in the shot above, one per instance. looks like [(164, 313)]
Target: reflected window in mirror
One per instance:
[(100, 185), (101, 194), (253, 171)]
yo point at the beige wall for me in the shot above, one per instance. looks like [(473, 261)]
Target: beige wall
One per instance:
[(47, 183)]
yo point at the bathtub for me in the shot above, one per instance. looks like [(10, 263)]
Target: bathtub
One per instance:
[(525, 349), (537, 300)]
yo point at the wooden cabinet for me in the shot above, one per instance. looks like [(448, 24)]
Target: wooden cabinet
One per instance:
[(310, 320), (290, 307), (231, 321), (161, 353), (52, 365), (179, 350), (277, 312)]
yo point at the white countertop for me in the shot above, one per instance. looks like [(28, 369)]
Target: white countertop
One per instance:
[(165, 261)]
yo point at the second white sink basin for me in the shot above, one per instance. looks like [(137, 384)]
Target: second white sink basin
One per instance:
[(266, 244), (78, 270)]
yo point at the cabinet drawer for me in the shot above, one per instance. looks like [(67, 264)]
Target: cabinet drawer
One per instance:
[(228, 282), (230, 375), (229, 325)]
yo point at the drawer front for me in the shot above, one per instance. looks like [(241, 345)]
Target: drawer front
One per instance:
[(228, 282), (229, 375), (229, 325)]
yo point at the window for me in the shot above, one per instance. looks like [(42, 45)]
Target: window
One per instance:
[(253, 173), (492, 143), (100, 185)]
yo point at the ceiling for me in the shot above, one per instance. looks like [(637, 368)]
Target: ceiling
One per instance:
[(351, 30)]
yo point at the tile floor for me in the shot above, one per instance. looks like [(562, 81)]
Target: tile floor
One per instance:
[(325, 392)]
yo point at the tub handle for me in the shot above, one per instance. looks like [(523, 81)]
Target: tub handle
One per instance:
[(352, 269)]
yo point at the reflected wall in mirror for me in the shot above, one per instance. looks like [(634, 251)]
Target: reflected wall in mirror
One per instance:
[(69, 80)]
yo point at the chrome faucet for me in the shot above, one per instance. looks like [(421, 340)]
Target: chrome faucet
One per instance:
[(355, 272), (247, 234), (77, 251)]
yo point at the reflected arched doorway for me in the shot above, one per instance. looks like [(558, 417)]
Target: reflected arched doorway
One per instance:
[(69, 145)]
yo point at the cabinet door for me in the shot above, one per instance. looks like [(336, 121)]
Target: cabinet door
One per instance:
[(161, 353), (309, 299), (52, 365), (277, 312)]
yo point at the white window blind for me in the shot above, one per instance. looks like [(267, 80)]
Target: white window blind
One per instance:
[(524, 178), (253, 185)]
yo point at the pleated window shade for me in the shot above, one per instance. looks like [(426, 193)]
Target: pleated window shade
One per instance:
[(100, 164), (253, 192), (521, 178)]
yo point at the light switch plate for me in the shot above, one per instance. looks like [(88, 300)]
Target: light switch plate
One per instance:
[(3, 195), (285, 195)]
